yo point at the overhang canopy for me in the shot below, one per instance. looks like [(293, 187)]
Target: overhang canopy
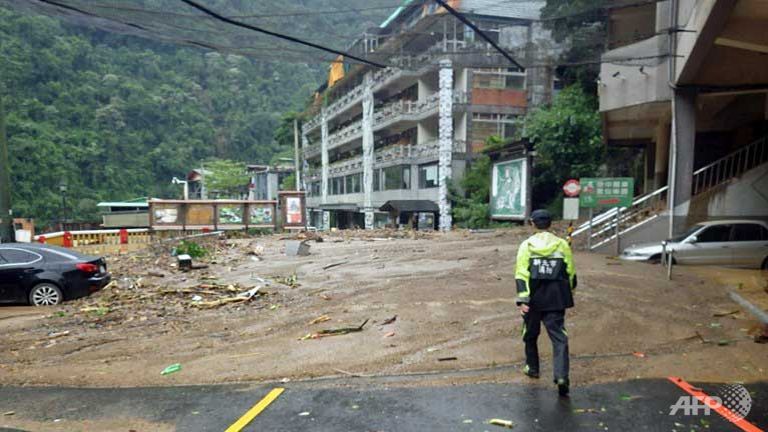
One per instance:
[(410, 206)]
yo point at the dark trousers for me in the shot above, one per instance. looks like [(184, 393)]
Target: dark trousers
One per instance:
[(554, 322)]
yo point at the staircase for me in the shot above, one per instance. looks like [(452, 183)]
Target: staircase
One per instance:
[(601, 229)]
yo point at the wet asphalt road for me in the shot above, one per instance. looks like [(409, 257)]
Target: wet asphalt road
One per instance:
[(349, 405)]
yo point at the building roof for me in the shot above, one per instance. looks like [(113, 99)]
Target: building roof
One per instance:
[(506, 9), (138, 202), (522, 9)]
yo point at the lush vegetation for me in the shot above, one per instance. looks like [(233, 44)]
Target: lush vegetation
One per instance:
[(116, 117), (567, 138)]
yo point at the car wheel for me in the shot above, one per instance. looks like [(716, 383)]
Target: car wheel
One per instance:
[(765, 264), (45, 294), (655, 259)]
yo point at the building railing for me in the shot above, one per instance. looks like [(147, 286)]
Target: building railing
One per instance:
[(346, 134), (346, 166), (389, 113), (392, 154), (732, 165), (311, 124)]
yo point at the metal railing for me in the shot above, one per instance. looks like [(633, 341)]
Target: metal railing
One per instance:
[(601, 229), (732, 165)]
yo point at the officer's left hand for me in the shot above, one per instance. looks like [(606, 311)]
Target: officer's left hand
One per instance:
[(524, 309)]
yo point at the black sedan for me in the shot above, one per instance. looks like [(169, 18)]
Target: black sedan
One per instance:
[(44, 275)]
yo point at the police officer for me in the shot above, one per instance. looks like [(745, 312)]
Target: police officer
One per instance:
[(545, 276)]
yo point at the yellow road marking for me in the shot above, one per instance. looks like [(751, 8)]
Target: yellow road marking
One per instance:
[(255, 410)]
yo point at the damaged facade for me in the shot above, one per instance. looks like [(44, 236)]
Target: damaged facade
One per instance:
[(401, 133)]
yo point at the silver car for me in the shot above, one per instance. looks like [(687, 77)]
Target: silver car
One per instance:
[(738, 243)]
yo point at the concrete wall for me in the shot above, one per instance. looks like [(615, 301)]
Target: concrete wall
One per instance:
[(631, 86), (505, 97), (460, 127), (427, 87), (460, 81), (746, 196)]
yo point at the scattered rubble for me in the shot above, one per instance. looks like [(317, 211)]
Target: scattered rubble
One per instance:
[(334, 332), (503, 423)]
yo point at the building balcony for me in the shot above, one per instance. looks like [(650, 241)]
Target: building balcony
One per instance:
[(387, 116), (312, 151), (379, 80), (346, 166), (391, 155)]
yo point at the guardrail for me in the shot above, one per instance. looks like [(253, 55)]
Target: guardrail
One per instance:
[(94, 237), (601, 229)]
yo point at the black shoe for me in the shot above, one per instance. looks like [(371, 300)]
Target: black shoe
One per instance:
[(563, 387), (530, 372)]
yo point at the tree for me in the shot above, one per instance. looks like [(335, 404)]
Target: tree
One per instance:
[(581, 25), (567, 139), (472, 209), (225, 178)]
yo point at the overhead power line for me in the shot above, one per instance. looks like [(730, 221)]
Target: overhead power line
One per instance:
[(479, 32), (279, 35)]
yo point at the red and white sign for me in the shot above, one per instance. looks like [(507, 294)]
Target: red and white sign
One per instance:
[(572, 188)]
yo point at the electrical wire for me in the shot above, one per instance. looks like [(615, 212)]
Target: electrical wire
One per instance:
[(168, 31), (278, 35)]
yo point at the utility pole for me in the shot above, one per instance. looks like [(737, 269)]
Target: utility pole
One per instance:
[(296, 174), (6, 215)]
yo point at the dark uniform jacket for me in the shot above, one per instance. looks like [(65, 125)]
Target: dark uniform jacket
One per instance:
[(545, 274)]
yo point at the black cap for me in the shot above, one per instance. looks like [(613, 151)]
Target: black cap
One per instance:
[(541, 219)]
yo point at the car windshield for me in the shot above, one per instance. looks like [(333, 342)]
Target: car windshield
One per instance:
[(683, 236)]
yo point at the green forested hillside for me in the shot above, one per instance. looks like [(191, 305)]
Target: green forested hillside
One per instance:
[(116, 117)]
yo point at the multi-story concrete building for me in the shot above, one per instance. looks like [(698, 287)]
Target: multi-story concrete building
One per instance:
[(381, 145), (687, 80)]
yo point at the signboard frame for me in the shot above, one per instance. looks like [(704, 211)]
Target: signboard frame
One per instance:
[(293, 206), (606, 192), (181, 215), (506, 183)]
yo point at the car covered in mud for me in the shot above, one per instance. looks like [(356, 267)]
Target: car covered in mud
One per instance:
[(737, 243), (45, 275)]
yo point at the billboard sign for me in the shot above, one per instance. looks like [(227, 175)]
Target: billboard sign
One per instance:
[(509, 188), (606, 192)]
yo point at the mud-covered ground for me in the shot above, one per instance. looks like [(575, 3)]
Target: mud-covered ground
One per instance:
[(452, 296)]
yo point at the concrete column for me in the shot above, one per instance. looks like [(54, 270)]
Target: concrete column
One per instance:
[(661, 155), (324, 154), (681, 158), (445, 141), (368, 151), (304, 165)]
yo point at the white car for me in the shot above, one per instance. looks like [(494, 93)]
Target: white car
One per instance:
[(738, 243)]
